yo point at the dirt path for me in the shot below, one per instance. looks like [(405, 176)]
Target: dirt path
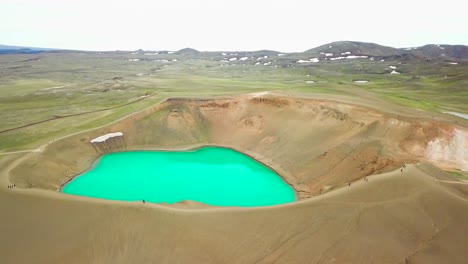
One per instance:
[(40, 149)]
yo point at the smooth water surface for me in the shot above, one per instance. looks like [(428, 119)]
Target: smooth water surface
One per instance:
[(211, 175)]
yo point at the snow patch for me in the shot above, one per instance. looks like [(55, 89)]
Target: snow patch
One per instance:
[(356, 57), (314, 60), (106, 137), (337, 58), (244, 58), (259, 94), (346, 53), (392, 67), (133, 59), (349, 57), (465, 116), (361, 81), (394, 72)]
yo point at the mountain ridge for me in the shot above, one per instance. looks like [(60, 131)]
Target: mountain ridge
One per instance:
[(337, 48)]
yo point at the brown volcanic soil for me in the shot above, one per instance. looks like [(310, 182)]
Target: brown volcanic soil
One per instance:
[(313, 144), (419, 215)]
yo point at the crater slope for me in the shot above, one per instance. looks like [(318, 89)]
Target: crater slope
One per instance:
[(315, 145)]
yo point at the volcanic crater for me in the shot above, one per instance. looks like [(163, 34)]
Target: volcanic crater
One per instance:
[(316, 145)]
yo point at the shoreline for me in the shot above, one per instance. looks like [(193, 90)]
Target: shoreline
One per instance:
[(222, 209)]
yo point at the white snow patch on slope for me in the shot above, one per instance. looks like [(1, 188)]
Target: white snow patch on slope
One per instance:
[(259, 94), (356, 57), (106, 137), (314, 60), (465, 116), (338, 58)]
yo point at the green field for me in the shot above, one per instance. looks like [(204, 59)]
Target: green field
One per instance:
[(76, 91)]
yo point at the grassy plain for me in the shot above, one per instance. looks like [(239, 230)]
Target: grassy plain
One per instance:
[(319, 136), (38, 87)]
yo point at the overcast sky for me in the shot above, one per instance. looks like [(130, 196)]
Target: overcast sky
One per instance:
[(291, 25)]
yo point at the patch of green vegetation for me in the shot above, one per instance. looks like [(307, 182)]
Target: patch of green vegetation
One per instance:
[(67, 84), (459, 175)]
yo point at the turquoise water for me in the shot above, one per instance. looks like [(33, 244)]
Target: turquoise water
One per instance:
[(211, 175)]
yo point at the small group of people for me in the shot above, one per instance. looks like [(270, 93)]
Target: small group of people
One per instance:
[(11, 186), (365, 179), (403, 167)]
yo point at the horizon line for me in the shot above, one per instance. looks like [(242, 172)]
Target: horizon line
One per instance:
[(21, 46)]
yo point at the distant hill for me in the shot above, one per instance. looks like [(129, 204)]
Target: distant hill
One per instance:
[(333, 49), (340, 48), (187, 51), (439, 51), (356, 48), (7, 49)]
